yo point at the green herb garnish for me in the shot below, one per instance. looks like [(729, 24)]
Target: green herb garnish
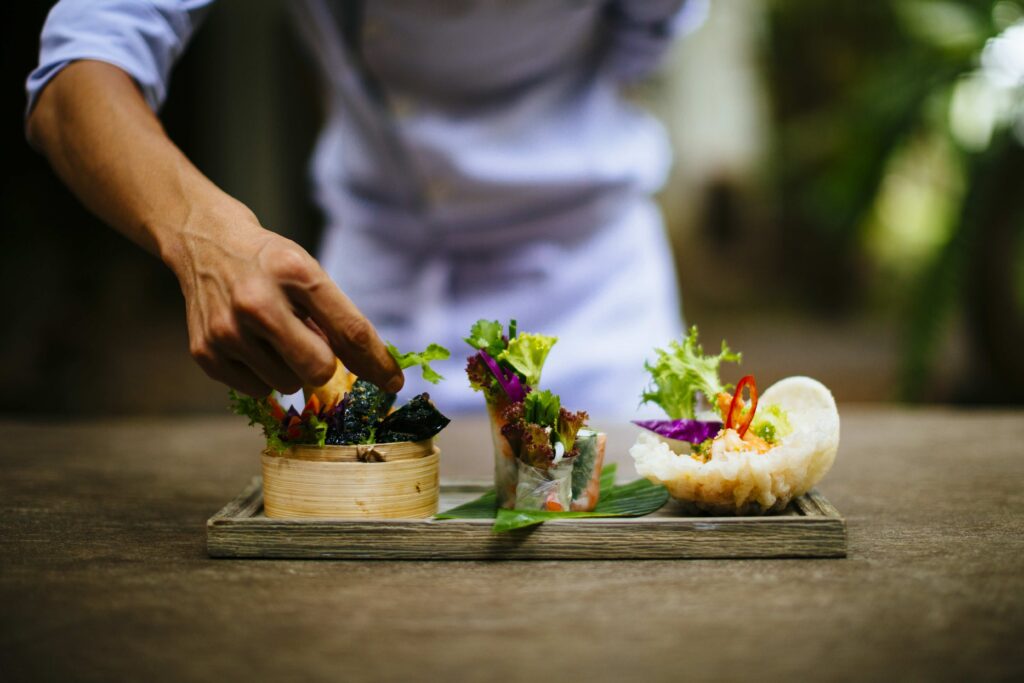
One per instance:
[(422, 359), (680, 372), (258, 410)]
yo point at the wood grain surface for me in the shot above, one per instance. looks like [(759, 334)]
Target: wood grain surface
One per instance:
[(804, 529), (104, 574)]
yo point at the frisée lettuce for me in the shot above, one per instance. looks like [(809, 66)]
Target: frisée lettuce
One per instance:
[(682, 371)]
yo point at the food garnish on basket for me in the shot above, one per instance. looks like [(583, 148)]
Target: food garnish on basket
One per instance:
[(349, 411)]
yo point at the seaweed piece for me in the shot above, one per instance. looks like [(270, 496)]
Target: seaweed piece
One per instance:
[(335, 419), (417, 420), (365, 405)]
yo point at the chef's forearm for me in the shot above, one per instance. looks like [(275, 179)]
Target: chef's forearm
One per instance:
[(252, 297), (102, 139)]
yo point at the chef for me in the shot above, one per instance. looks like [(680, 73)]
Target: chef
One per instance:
[(478, 160)]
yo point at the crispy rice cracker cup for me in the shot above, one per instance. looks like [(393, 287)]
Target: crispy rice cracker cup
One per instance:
[(747, 482)]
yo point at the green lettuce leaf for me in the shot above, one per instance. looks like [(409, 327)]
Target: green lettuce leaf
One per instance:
[(541, 407), (526, 353), (680, 372), (422, 359)]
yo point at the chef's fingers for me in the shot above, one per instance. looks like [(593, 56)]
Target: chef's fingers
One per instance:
[(351, 336), (266, 364), (311, 324), (234, 374), (304, 351)]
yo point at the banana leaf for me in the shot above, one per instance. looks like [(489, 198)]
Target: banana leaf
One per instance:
[(635, 499)]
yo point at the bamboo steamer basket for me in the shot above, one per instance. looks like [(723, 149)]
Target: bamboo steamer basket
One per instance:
[(378, 481)]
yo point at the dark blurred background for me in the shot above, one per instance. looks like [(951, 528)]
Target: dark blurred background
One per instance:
[(847, 202)]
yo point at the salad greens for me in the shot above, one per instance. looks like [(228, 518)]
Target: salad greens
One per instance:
[(542, 408), (526, 353), (681, 371), (505, 367), (538, 425)]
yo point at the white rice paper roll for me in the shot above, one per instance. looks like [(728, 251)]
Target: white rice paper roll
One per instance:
[(538, 487)]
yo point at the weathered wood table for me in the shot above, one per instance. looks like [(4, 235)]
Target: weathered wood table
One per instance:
[(103, 574)]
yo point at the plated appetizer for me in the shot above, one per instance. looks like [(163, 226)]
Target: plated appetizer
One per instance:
[(738, 455), (348, 453), (544, 458)]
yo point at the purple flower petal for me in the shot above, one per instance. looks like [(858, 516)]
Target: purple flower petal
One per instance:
[(694, 431)]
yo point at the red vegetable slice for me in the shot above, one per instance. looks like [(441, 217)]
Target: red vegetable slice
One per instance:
[(276, 411), (736, 407), (312, 406)]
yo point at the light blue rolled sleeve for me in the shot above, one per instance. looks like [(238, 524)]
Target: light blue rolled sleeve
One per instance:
[(643, 30), (144, 38)]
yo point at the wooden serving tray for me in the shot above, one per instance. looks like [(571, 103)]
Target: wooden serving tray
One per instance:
[(809, 527)]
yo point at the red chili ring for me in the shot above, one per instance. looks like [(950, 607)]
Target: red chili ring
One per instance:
[(736, 404)]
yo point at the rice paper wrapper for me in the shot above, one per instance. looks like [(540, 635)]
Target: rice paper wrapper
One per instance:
[(506, 470), (586, 471), (544, 489)]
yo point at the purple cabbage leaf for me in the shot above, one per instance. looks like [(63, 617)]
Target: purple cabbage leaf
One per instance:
[(508, 380), (693, 431)]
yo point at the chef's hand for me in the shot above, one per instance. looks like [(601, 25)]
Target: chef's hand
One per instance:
[(261, 312)]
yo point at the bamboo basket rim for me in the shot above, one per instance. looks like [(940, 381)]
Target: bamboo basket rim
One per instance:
[(393, 451)]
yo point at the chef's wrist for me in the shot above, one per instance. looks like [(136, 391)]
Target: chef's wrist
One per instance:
[(214, 220)]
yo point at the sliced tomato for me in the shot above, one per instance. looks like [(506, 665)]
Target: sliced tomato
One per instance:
[(733, 418)]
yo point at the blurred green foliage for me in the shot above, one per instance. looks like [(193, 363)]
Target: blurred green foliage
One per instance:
[(900, 169)]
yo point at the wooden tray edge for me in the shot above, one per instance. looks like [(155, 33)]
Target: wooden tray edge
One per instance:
[(820, 533)]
